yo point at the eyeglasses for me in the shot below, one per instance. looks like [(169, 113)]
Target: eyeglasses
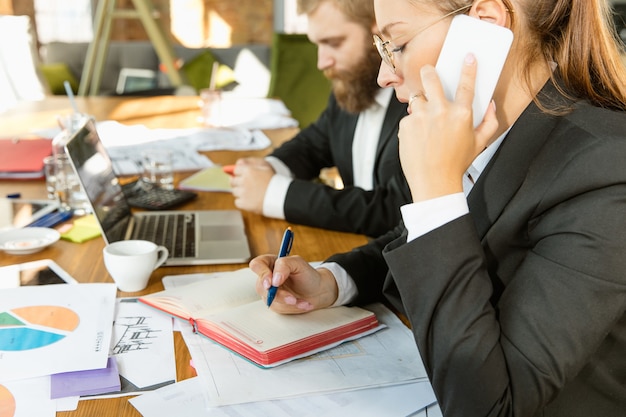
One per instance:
[(383, 46)]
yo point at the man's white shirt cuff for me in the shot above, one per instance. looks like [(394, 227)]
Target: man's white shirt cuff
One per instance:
[(279, 166), (275, 195)]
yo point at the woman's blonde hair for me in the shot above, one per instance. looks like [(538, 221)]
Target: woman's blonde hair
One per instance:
[(357, 11), (578, 35)]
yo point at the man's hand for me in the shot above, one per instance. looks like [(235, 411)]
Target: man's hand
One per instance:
[(250, 179)]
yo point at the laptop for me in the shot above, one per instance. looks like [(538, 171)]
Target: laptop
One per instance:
[(132, 80), (193, 237)]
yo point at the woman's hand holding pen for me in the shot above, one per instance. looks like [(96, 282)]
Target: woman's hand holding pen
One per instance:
[(301, 287), (437, 139)]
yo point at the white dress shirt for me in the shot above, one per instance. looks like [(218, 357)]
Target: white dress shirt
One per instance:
[(364, 146)]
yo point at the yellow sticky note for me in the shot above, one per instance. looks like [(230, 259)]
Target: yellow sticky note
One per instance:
[(84, 228)]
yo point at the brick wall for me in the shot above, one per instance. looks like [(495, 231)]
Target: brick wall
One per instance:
[(247, 21), (251, 20)]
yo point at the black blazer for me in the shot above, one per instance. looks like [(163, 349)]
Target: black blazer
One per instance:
[(518, 308), (328, 143)]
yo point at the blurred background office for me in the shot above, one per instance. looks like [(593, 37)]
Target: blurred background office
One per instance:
[(241, 36), (258, 45)]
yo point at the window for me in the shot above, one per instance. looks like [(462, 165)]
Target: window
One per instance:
[(64, 20), (287, 19)]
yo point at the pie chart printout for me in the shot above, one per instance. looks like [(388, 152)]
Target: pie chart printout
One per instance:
[(7, 403), (34, 327)]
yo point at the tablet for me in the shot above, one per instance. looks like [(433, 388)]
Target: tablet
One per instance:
[(42, 272), (16, 213)]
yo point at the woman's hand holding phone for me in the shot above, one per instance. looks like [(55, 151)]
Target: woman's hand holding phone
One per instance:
[(455, 119), (438, 141)]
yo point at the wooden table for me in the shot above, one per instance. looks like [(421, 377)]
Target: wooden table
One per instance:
[(84, 261)]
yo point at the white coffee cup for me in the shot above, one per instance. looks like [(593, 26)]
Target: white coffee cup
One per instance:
[(131, 262)]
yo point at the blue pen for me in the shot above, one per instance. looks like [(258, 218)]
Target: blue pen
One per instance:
[(285, 248)]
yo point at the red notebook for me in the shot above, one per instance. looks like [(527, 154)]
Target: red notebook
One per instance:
[(23, 158), (228, 310)]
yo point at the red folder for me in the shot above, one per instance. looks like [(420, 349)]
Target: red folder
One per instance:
[(23, 158)]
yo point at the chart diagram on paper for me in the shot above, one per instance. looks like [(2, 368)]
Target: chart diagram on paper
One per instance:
[(27, 398), (35, 327), (51, 329)]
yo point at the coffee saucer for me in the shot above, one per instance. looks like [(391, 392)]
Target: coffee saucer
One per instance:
[(27, 240)]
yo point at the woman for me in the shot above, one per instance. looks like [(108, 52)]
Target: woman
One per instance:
[(514, 280)]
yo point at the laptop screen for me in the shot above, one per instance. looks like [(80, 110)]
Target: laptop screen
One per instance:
[(95, 171)]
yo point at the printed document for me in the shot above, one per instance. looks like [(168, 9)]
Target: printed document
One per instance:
[(386, 357), (49, 329), (188, 399)]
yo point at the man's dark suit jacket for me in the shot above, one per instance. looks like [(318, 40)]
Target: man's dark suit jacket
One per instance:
[(328, 143), (518, 308)]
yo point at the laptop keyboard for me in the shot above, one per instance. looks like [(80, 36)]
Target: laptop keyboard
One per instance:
[(177, 232)]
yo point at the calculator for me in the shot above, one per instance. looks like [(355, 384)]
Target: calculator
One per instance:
[(147, 196)]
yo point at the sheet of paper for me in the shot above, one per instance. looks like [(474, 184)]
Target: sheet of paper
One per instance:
[(143, 346), (227, 139), (67, 403), (125, 143), (188, 399), (114, 134), (183, 399), (127, 159), (386, 357), (254, 112), (212, 295), (27, 398), (49, 329), (432, 410), (175, 281)]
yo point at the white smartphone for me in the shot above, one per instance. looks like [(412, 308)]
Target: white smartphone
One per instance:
[(490, 45)]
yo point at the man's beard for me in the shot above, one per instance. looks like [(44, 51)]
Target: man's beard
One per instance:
[(355, 90)]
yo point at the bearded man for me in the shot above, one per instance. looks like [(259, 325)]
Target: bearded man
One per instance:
[(356, 133)]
